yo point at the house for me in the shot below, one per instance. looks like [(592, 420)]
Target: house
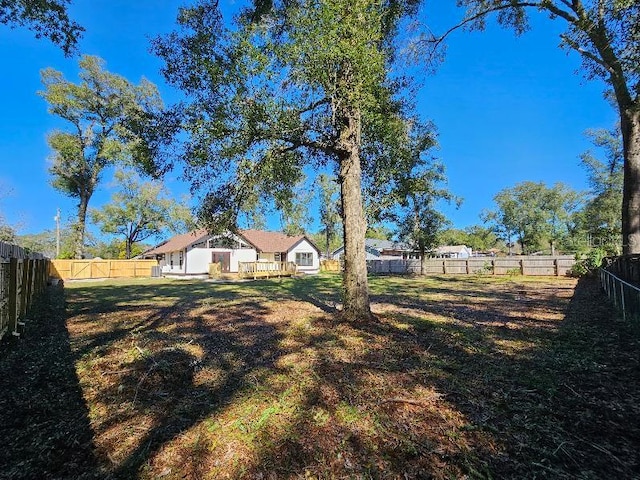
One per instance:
[(191, 253), (381, 250), (452, 251)]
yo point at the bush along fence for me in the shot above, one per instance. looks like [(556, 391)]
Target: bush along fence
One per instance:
[(620, 280), (23, 277), (521, 265)]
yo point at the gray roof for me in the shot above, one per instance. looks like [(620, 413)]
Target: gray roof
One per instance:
[(384, 244), (379, 245)]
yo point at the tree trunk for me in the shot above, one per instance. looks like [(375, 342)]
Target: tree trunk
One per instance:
[(128, 248), (327, 240), (355, 283), (78, 247), (630, 125)]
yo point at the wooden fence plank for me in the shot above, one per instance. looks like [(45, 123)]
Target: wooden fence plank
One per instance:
[(90, 269), (23, 290), (13, 295), (523, 265)]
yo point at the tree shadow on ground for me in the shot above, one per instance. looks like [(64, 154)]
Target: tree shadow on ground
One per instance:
[(470, 398), (260, 381), (44, 425), (186, 360)]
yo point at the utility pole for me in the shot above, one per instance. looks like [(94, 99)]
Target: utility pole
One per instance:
[(57, 219)]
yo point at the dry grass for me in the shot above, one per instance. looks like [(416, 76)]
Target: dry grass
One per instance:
[(459, 377)]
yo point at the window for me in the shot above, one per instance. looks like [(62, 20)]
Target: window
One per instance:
[(221, 242), (181, 258), (304, 259), (278, 257)]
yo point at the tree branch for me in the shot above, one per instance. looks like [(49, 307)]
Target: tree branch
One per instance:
[(437, 41), (586, 53), (576, 6)]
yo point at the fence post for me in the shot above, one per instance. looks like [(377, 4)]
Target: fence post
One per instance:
[(467, 265), (28, 264), (493, 266), (23, 290), (555, 266), (13, 296), (36, 282), (521, 267), (444, 267)]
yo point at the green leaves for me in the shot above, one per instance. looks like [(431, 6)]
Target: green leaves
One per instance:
[(141, 210), (273, 91), (534, 213), (46, 18), (107, 116), (600, 218)]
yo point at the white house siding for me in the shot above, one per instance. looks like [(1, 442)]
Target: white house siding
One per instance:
[(305, 247), (176, 269), (242, 255), (200, 258)]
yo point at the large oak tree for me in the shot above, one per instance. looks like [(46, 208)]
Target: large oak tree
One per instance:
[(106, 114), (291, 84)]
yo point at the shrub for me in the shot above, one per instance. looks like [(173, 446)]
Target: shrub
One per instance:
[(588, 263)]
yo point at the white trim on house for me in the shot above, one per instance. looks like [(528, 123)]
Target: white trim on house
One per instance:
[(304, 246), (195, 257)]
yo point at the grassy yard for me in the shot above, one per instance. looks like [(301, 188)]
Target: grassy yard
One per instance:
[(460, 377)]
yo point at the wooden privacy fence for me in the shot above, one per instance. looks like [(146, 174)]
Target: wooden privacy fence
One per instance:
[(21, 281), (522, 265), (88, 269), (625, 267), (8, 250), (266, 269), (330, 266)]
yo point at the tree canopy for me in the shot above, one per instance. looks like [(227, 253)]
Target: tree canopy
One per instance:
[(600, 218), (105, 113), (534, 214), (407, 193), (140, 210), (46, 18), (290, 84), (329, 210)]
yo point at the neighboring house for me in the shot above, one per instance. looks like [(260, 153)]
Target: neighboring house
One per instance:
[(381, 250), (191, 253), (452, 251)]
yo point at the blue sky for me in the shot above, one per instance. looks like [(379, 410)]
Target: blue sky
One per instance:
[(507, 108)]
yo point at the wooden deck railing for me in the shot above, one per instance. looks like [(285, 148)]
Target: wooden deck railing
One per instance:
[(266, 269)]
